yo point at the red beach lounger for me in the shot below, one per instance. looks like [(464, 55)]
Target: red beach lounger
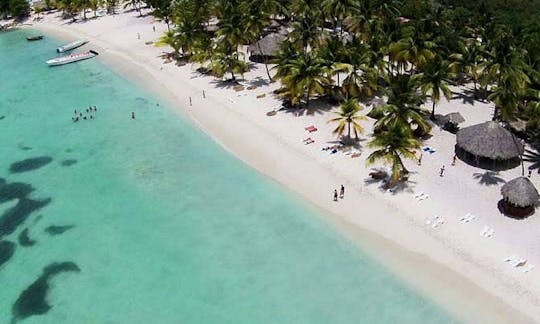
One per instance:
[(311, 128)]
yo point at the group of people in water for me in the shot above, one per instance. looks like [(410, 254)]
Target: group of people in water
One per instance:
[(84, 115)]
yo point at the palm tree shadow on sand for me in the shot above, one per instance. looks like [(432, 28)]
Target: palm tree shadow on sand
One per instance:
[(317, 106), (381, 178), (488, 178)]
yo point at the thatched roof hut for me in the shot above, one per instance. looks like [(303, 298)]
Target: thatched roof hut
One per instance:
[(269, 47), (489, 142), (452, 118), (520, 197)]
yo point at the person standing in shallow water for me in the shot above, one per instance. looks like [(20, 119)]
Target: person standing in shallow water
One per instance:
[(335, 195), (132, 115), (342, 192)]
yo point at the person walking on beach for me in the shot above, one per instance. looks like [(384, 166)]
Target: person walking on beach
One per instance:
[(420, 159), (530, 173), (132, 115), (190, 101), (203, 94), (335, 195), (441, 174), (154, 28), (454, 160), (342, 192)]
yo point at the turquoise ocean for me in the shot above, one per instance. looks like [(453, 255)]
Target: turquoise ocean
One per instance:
[(114, 220)]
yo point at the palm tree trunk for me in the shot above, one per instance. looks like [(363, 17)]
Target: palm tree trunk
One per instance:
[(349, 130), (433, 110), (495, 112), (402, 165), (307, 95), (265, 61)]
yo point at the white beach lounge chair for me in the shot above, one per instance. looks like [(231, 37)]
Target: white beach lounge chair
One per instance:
[(438, 223), (471, 217), (510, 258), (519, 263), (484, 231), (464, 217), (528, 268), (432, 220)]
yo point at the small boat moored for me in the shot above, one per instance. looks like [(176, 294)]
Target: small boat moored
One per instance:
[(71, 58), (34, 38), (70, 46)]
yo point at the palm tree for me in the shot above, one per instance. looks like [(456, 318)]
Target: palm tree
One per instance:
[(135, 4), (306, 32), (286, 54), (94, 6), (334, 52), (533, 154), (338, 10), (468, 60), (223, 62), (393, 144), (434, 79), (403, 105), (169, 38), (347, 117), (532, 110), (508, 92), (256, 21), (358, 68), (164, 10), (411, 50), (306, 76), (111, 6)]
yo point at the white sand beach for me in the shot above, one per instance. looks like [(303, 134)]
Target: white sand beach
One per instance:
[(450, 262)]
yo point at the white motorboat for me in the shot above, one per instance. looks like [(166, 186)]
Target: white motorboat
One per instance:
[(71, 58), (70, 46)]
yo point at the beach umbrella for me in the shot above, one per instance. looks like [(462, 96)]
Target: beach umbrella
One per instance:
[(489, 140), (452, 118), (520, 197), (520, 192)]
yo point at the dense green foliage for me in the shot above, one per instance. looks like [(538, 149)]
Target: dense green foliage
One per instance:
[(352, 50), (14, 8)]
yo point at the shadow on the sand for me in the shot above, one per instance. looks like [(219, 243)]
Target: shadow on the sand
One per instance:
[(488, 178), (258, 82), (316, 106), (381, 178)]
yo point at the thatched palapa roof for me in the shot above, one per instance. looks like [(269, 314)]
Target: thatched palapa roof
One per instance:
[(520, 192), (269, 45), (489, 140), (453, 118)]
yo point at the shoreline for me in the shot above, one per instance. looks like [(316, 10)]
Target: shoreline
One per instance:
[(411, 242)]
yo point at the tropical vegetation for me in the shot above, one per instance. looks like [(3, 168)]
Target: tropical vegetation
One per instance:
[(350, 51), (415, 53)]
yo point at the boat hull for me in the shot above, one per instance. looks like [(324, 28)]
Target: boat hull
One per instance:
[(34, 38), (71, 58), (71, 46)]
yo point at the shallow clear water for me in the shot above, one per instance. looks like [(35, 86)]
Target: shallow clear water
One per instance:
[(167, 227)]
